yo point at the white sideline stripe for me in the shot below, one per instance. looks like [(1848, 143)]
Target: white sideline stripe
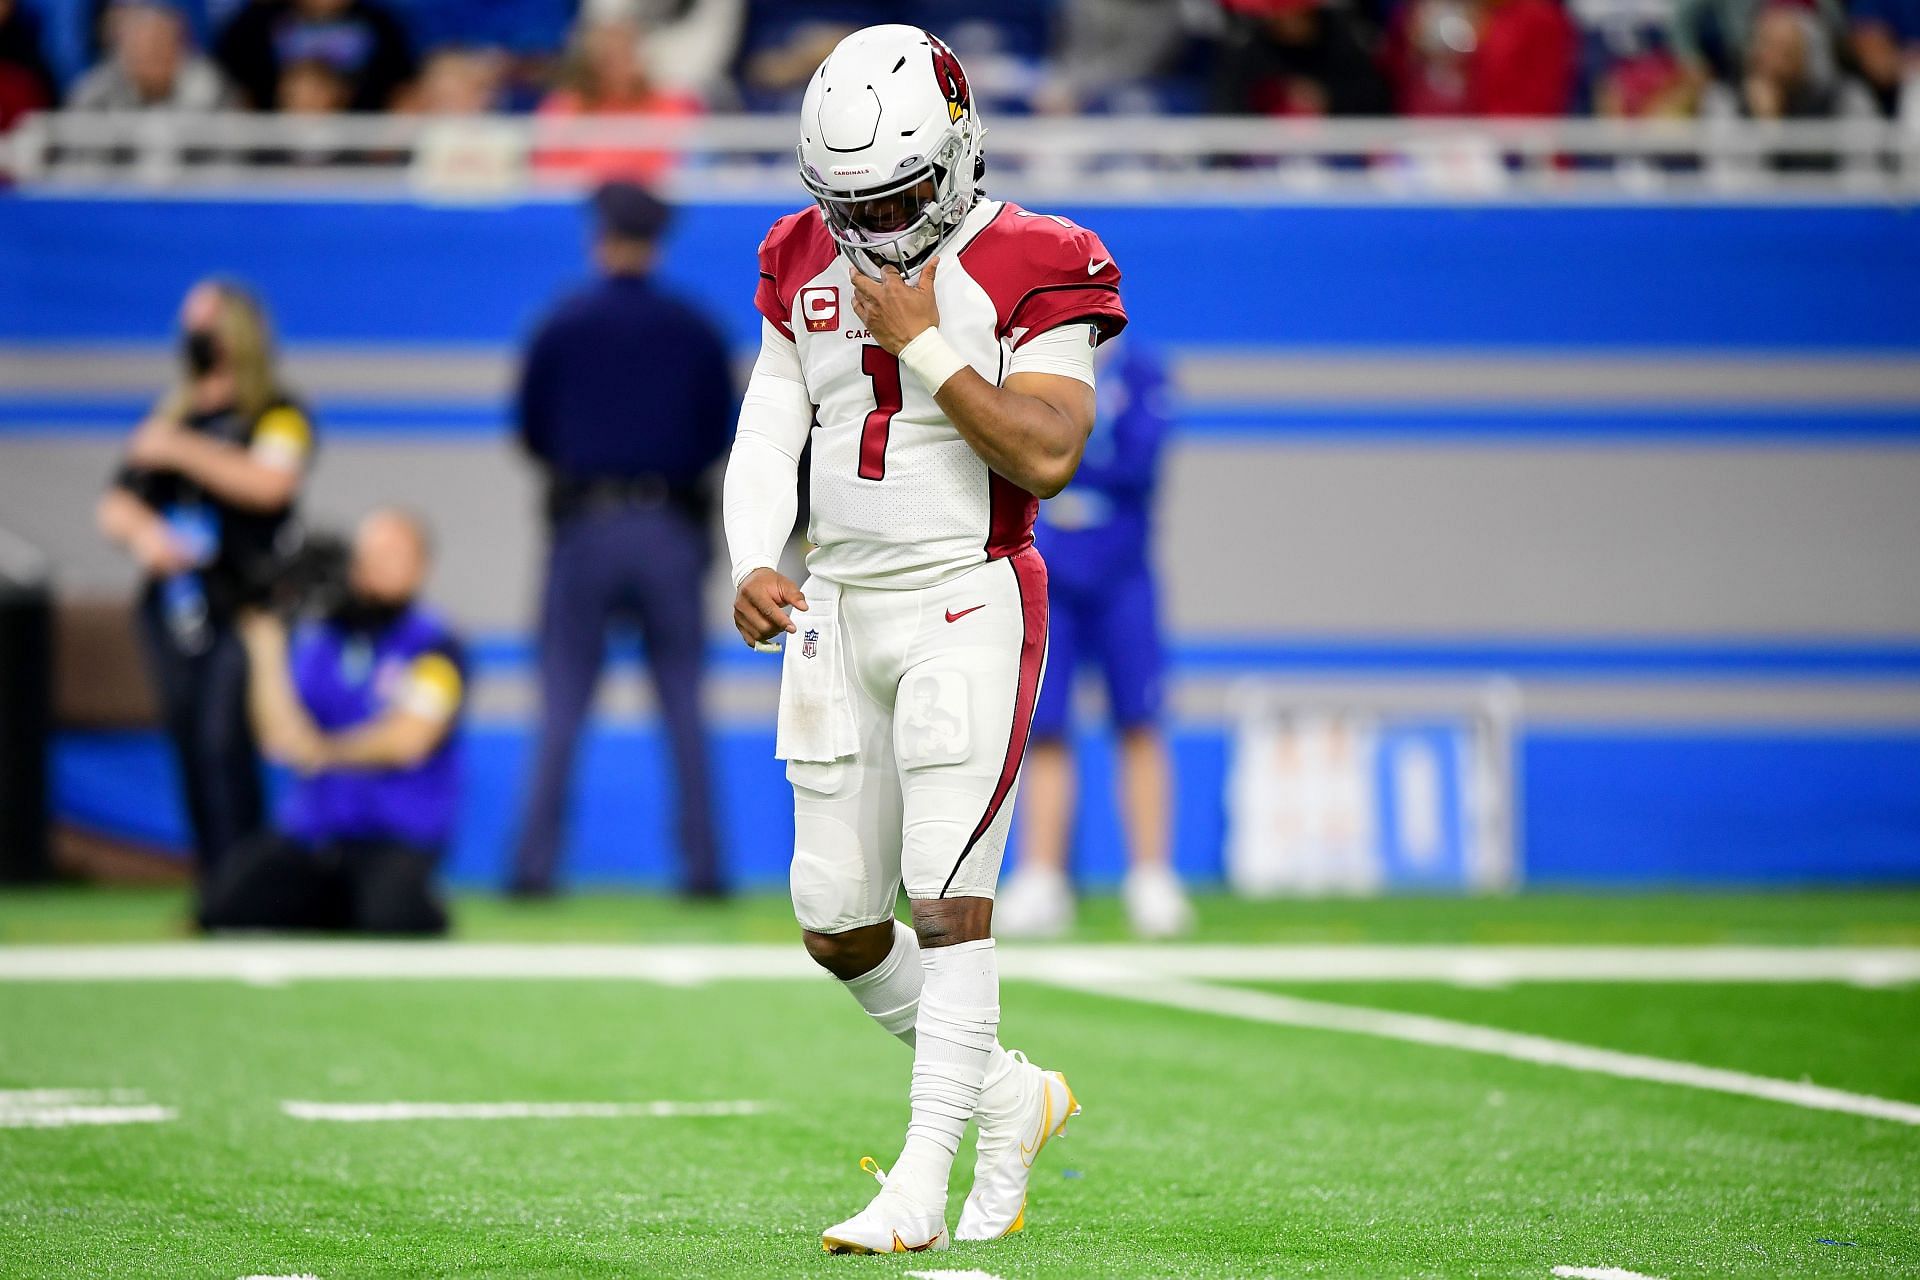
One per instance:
[(954, 1275), (267, 963), (302, 1276), (1600, 1273), (1259, 1006), (375, 1112)]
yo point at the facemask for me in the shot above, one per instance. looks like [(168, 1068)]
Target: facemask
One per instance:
[(201, 351)]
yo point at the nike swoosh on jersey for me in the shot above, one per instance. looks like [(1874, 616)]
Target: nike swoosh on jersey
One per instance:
[(955, 617), (1094, 267)]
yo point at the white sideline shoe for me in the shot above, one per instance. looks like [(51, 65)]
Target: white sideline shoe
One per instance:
[(1157, 906), (890, 1223), (1035, 902), (1006, 1149)]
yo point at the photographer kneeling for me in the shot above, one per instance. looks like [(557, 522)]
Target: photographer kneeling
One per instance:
[(363, 704)]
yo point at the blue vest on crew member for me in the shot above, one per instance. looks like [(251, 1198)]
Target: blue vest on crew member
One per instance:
[(348, 676)]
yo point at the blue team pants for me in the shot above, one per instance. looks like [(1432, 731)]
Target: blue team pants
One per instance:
[(646, 563)]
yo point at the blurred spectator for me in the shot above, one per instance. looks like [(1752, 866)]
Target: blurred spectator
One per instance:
[(626, 402), (1102, 602), (1628, 65), (1645, 84), (1884, 36), (359, 41), (364, 705), (1527, 60), (1483, 58), (150, 65), (458, 82), (310, 87), (787, 40), (1712, 38), (1108, 53), (690, 45), (1791, 71), (1299, 58), (606, 78), (206, 493), (26, 82)]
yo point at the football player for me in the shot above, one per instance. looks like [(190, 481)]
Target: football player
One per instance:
[(936, 347)]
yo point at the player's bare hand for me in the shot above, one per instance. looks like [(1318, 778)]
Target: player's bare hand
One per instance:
[(893, 311), (759, 607)]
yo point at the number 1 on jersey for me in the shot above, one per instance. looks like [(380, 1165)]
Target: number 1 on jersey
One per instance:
[(884, 369)]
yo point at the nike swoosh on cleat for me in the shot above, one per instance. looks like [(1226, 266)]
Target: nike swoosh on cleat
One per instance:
[(1027, 1153), (1094, 267), (955, 617)]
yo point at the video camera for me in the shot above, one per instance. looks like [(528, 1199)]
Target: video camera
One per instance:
[(305, 577)]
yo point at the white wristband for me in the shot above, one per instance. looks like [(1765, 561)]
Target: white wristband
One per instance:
[(932, 360)]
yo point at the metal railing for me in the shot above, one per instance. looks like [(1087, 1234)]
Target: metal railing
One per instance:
[(1153, 157)]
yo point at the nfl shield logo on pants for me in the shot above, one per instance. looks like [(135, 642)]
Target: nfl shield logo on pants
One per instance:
[(809, 643)]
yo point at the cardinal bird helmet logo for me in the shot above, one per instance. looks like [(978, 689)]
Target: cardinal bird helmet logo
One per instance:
[(951, 78)]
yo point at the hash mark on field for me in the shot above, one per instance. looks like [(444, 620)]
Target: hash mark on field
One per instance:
[(1291, 1011), (1599, 1273), (375, 1112)]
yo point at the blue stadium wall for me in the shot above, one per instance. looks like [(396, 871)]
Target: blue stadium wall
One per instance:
[(1804, 799), (1834, 278)]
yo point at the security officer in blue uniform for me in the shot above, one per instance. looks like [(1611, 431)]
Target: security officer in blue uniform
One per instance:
[(626, 401)]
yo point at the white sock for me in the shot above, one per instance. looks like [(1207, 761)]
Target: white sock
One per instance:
[(890, 991), (955, 1045)]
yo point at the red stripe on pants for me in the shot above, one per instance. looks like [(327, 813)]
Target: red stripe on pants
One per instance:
[(1030, 573)]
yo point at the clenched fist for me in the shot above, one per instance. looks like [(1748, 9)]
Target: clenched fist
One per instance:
[(894, 311), (759, 606)]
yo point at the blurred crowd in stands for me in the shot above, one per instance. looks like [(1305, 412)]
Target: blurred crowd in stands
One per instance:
[(1764, 59)]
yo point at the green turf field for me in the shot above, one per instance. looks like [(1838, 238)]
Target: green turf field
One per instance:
[(1211, 1145)]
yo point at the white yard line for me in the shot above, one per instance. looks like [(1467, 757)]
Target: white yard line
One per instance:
[(376, 1112), (1599, 1273), (269, 963), (1260, 1006), (68, 1108), (70, 1117), (954, 1275)]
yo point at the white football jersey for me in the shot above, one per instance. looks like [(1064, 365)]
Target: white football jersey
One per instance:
[(898, 497)]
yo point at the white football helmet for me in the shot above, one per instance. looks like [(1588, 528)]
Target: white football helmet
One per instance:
[(890, 146)]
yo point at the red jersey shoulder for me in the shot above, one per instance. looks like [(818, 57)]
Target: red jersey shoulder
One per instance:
[(795, 250), (1043, 271)]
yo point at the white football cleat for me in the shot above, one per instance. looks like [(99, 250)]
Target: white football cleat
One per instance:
[(891, 1223), (1007, 1147), (1036, 902), (1157, 906)]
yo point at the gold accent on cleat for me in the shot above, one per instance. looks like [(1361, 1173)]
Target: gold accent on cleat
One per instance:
[(828, 1244), (1048, 1130)]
